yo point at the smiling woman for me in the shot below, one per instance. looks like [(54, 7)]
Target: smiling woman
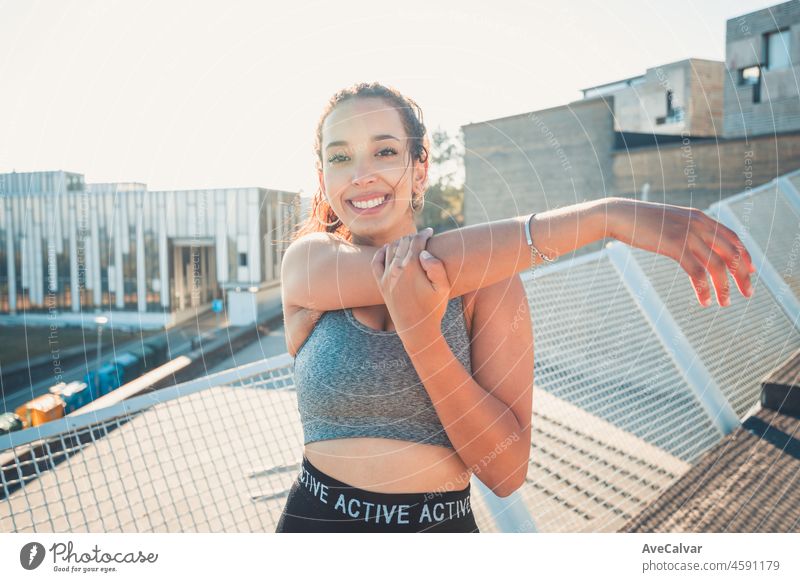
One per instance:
[(412, 372), (372, 166), (373, 438)]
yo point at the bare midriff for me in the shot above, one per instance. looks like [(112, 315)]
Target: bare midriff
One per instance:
[(386, 465)]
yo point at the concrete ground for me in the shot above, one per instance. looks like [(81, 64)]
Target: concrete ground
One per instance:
[(268, 345)]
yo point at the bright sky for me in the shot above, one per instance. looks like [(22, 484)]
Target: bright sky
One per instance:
[(225, 94)]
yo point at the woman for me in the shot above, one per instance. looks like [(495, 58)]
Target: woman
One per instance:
[(412, 370)]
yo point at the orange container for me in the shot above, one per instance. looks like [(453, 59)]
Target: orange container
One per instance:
[(41, 409)]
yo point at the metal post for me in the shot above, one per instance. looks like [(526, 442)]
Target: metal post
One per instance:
[(699, 379), (510, 514), (100, 321)]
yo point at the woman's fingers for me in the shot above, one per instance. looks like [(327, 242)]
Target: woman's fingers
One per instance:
[(402, 250), (712, 262), (700, 244), (409, 252), (735, 241), (390, 250), (730, 247), (406, 246), (690, 263), (418, 242), (379, 259), (397, 250), (702, 260), (398, 253)]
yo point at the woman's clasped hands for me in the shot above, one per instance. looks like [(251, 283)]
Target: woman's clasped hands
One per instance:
[(415, 288)]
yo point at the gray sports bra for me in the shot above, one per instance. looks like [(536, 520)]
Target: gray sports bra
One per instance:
[(355, 381)]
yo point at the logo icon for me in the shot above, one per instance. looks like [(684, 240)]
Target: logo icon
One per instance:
[(31, 555)]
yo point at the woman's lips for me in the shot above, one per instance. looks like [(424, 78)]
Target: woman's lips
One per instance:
[(374, 209)]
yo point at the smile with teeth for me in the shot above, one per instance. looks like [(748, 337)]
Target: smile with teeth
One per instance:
[(366, 204)]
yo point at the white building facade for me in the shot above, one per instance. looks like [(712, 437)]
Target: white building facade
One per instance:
[(68, 246)]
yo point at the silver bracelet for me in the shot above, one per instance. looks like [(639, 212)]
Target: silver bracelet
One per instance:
[(530, 243)]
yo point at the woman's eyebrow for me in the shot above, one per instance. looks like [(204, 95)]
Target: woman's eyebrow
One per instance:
[(381, 137)]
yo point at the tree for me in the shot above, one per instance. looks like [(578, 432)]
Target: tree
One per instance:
[(444, 198)]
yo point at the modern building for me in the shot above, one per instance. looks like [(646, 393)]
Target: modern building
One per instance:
[(762, 93), (566, 154), (71, 247), (674, 99), (685, 133), (537, 161)]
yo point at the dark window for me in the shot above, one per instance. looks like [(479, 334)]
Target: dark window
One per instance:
[(242, 259), (752, 76), (674, 114)]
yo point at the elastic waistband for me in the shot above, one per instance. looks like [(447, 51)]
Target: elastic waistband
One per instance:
[(399, 508)]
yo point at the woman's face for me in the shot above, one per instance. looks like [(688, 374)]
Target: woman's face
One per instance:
[(365, 159)]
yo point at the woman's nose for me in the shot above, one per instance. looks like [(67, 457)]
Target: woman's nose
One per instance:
[(363, 173)]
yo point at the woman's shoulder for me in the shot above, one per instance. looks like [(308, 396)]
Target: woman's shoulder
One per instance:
[(298, 323)]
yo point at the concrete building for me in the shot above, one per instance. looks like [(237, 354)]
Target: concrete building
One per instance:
[(682, 133), (68, 247), (762, 94), (538, 160), (565, 155), (699, 172), (684, 97)]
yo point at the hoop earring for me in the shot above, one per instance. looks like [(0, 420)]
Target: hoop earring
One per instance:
[(415, 210), (325, 223)]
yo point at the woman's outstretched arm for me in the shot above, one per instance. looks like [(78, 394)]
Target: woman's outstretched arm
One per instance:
[(324, 273)]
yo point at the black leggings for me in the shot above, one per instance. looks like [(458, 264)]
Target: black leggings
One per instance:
[(319, 503)]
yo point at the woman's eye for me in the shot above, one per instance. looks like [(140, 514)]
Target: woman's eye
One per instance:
[(336, 158), (342, 157)]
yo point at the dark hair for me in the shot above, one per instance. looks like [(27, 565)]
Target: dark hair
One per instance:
[(418, 146)]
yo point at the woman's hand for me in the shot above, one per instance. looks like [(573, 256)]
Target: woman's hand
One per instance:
[(688, 236), (415, 288)]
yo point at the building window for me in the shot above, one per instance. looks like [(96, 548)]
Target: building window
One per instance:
[(752, 76), (776, 50), (242, 259), (674, 114)]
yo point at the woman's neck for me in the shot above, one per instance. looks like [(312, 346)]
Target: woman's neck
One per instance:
[(379, 239)]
